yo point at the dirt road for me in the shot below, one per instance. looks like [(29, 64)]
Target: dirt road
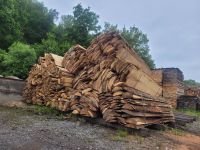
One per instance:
[(23, 130)]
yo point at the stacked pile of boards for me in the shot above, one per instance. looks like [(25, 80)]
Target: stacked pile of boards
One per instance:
[(48, 83), (188, 102), (157, 75), (192, 91), (108, 78), (171, 80)]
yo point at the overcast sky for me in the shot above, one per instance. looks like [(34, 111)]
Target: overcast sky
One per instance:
[(172, 26)]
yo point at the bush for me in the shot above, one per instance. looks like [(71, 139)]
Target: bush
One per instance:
[(2, 59), (50, 45), (19, 60)]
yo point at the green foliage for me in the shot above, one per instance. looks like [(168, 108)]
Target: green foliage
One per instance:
[(9, 29), (2, 59), (109, 27), (78, 28), (192, 83), (136, 39), (120, 134), (139, 42), (50, 45), (39, 21), (29, 21), (19, 59), (44, 110), (24, 20)]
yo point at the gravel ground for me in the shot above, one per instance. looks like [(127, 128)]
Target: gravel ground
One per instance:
[(22, 130), (193, 128)]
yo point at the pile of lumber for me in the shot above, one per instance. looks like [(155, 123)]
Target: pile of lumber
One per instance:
[(48, 83), (133, 108), (192, 91), (188, 102), (171, 80), (108, 78), (157, 75), (183, 119)]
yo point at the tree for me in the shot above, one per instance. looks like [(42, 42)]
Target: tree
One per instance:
[(24, 20), (109, 27), (78, 28), (39, 22), (139, 42), (19, 60), (136, 39), (9, 29), (49, 45), (2, 59), (192, 83)]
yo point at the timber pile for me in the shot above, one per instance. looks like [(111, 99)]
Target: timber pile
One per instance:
[(171, 80), (188, 102), (157, 75), (192, 91), (107, 78), (173, 85), (48, 83), (133, 108), (183, 119)]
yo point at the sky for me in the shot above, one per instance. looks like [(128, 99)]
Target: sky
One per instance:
[(172, 26)]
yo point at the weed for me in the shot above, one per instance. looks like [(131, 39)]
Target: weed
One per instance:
[(177, 132), (120, 134), (190, 112), (44, 110), (139, 139), (116, 138)]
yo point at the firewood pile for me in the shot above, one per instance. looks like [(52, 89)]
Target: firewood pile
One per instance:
[(48, 81), (108, 78)]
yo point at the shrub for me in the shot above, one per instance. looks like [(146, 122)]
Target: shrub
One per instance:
[(19, 60)]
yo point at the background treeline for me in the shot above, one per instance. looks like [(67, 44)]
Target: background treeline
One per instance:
[(192, 83), (28, 30)]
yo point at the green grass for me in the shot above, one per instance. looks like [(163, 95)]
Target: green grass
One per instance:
[(120, 134), (190, 112), (44, 110), (177, 132), (116, 138), (139, 139)]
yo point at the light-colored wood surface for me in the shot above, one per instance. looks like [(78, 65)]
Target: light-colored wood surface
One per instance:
[(108, 78)]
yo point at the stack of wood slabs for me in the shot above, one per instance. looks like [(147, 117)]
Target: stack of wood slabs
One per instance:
[(188, 102), (171, 80), (192, 91), (183, 119), (106, 77), (173, 86), (132, 108), (111, 47), (48, 83), (157, 76)]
